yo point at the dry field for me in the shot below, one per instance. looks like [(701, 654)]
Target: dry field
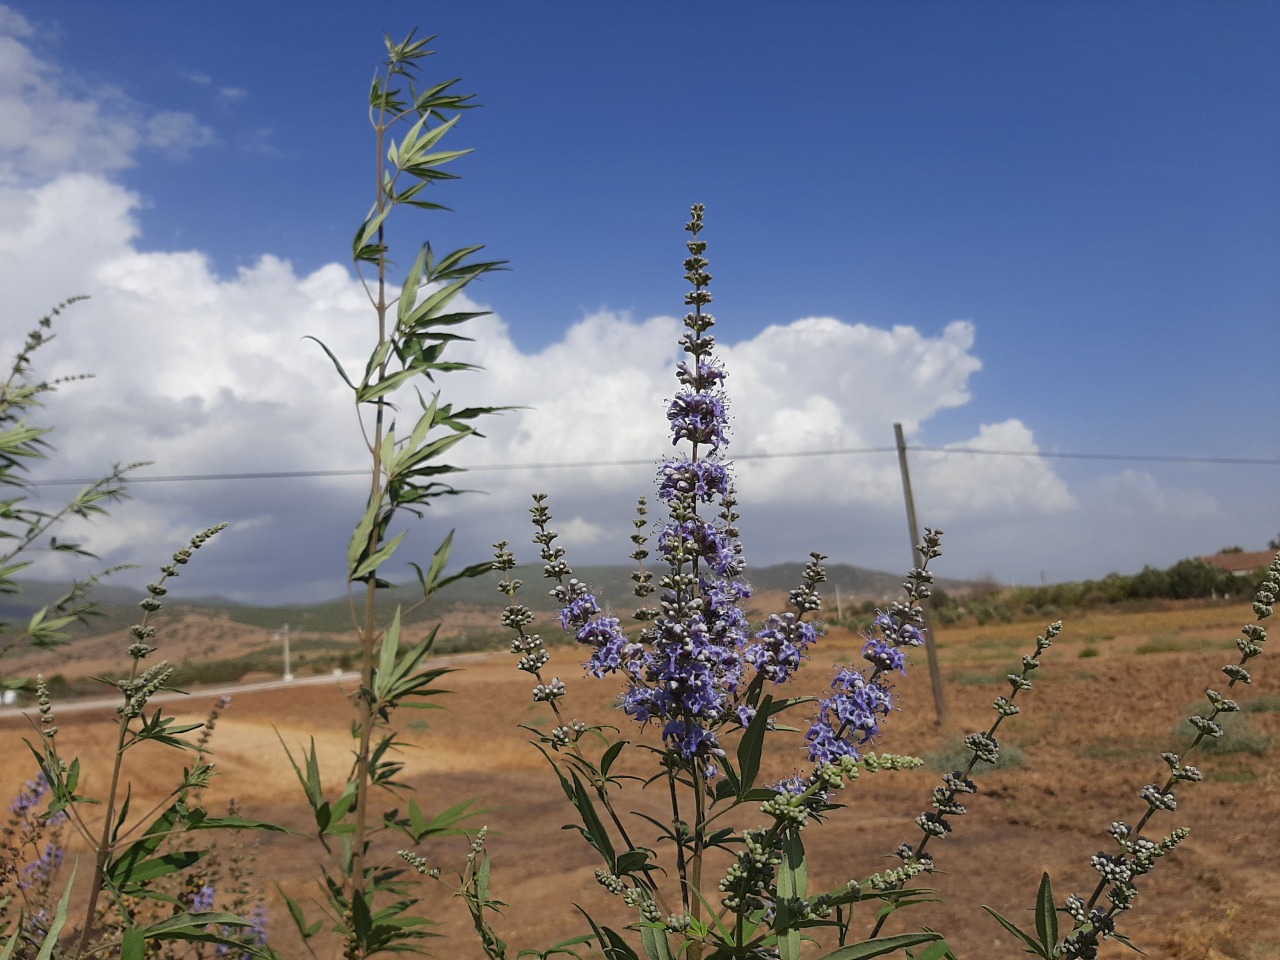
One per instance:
[(1103, 707)]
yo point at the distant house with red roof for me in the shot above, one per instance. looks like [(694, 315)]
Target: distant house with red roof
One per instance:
[(1239, 562)]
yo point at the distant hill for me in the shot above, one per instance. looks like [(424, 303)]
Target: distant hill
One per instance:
[(118, 606)]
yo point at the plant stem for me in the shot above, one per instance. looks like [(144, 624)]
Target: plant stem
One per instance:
[(104, 845), (369, 630)]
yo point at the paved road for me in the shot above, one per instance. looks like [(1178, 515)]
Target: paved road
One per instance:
[(62, 708)]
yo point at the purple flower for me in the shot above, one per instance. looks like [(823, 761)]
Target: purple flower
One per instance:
[(792, 786), (779, 646), (703, 479), (40, 871), (699, 418), (579, 605), (605, 635), (681, 542), (687, 677), (202, 902), (898, 632), (703, 375), (853, 708), (884, 656), (28, 797)]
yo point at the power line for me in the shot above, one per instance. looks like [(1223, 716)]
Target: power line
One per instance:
[(583, 464), (1139, 457)]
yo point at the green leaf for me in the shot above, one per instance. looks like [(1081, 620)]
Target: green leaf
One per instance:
[(439, 560), (610, 755), (1121, 938), (359, 543), (611, 943), (305, 930), (367, 231), (1046, 916), (632, 861), (938, 950), (881, 946), (336, 364), (186, 922), (435, 301), (409, 292), (751, 746), (793, 883), (654, 940), (389, 648), (474, 570), (595, 831), (367, 393), (133, 945), (1034, 948), (372, 562)]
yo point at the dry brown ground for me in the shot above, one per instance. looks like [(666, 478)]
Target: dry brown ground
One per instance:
[(1091, 735)]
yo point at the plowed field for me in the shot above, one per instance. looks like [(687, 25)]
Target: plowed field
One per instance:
[(1107, 701)]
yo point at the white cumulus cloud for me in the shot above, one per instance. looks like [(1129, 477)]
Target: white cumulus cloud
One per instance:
[(52, 122)]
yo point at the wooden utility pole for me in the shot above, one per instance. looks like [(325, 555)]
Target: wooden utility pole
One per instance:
[(930, 647), (283, 634)]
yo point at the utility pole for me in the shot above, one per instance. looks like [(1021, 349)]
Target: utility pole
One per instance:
[(930, 646), (283, 634)]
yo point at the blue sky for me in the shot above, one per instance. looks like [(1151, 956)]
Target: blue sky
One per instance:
[(1090, 188)]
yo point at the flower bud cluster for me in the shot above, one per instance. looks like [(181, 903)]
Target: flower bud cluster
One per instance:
[(896, 877), (419, 863), (611, 882), (48, 728), (140, 689), (549, 692), (749, 881)]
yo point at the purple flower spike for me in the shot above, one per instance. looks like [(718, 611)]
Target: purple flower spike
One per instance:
[(687, 669)]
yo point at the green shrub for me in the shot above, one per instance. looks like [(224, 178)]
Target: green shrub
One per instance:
[(1240, 735), (954, 755)]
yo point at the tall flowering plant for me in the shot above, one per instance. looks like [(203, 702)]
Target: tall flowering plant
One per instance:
[(713, 687)]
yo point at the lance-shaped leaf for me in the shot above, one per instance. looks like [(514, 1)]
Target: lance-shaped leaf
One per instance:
[(400, 675), (653, 937), (361, 248), (1033, 948), (592, 827), (793, 884), (1046, 915), (882, 946), (612, 945), (751, 746), (369, 564)]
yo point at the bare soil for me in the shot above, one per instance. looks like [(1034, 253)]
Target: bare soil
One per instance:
[(1091, 734)]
